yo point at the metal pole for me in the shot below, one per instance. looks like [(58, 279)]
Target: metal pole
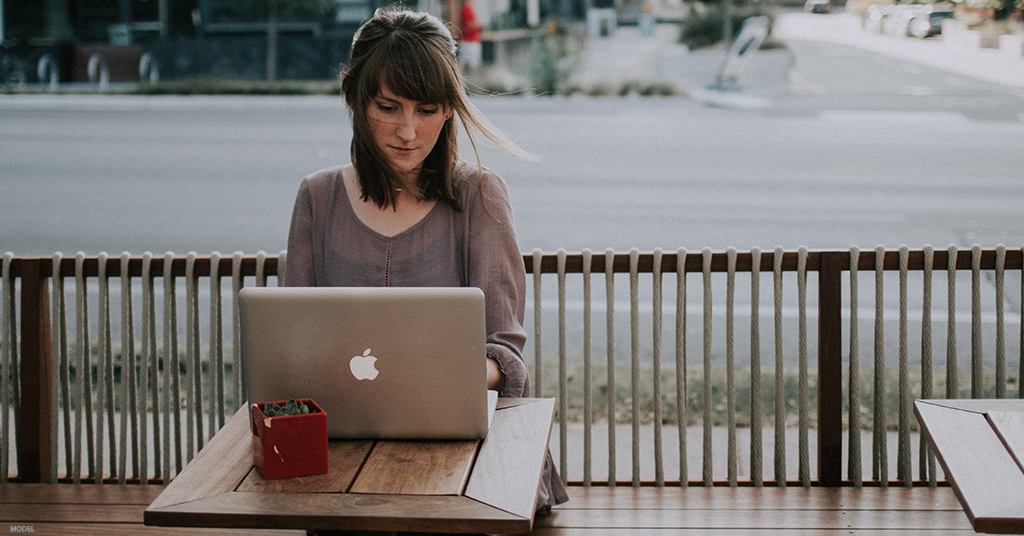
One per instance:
[(727, 20), (164, 23)]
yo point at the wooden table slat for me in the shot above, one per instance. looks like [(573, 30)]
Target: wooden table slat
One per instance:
[(1010, 427), (349, 511), (511, 459), (222, 464), (417, 468), (344, 458), (984, 475)]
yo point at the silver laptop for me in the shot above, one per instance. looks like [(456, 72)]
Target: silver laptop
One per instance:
[(384, 363)]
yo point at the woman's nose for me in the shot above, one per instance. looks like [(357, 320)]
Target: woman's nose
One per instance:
[(406, 132), (406, 129)]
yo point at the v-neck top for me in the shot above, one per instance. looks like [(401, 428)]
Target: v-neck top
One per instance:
[(328, 245)]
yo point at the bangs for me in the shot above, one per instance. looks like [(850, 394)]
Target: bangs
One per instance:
[(412, 70)]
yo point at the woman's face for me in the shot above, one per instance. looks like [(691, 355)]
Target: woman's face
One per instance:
[(405, 130)]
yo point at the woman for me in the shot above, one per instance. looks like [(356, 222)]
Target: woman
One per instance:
[(407, 211)]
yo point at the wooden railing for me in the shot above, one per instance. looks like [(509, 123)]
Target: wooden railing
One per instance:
[(35, 348)]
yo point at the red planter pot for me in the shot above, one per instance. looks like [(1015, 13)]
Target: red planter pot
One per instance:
[(291, 445)]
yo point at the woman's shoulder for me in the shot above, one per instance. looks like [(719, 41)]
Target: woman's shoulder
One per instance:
[(474, 180), (324, 176), (323, 182)]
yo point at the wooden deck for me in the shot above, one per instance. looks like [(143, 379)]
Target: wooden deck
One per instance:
[(88, 509)]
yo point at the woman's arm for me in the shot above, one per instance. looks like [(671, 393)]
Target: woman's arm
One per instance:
[(496, 267)]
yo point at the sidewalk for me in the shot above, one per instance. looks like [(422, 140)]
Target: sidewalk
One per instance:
[(629, 56), (949, 53)]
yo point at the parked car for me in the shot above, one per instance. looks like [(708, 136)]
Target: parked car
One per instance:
[(928, 23), (818, 6), (911, 20)]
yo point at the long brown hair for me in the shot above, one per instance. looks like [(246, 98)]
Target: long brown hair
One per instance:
[(413, 54)]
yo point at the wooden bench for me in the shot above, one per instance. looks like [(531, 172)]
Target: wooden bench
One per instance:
[(89, 509)]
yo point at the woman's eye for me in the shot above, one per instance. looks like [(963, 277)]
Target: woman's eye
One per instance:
[(385, 108), (428, 111)]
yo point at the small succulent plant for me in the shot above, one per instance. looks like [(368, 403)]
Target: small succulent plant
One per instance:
[(289, 408)]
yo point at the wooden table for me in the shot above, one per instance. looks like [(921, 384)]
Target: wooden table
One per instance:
[(487, 486), (980, 444)]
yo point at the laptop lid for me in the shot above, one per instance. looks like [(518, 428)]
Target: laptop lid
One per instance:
[(384, 362)]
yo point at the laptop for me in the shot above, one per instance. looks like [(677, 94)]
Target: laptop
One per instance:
[(383, 362)]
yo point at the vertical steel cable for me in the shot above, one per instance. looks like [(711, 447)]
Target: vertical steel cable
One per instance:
[(952, 379), (107, 354), (105, 377), (681, 419), (804, 402), (756, 446), (708, 472), (634, 346), (588, 403), (730, 364), (780, 388), (609, 291), (216, 357), (659, 470), (880, 467), (282, 266), (977, 380), (1000, 328), (240, 396), (81, 376), (854, 471), (129, 407), (563, 394), (904, 472), (148, 367), (59, 351), (261, 268), (537, 355), (172, 408), (926, 459), (191, 360), (85, 365), (194, 364), (8, 342)]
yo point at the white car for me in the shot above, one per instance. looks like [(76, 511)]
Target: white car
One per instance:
[(818, 6)]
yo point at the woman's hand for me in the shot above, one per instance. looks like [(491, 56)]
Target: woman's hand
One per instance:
[(495, 380)]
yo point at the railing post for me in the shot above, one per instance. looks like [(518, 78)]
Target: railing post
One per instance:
[(830, 370), (34, 433)]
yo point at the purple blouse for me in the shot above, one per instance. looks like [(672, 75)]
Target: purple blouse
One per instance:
[(329, 246)]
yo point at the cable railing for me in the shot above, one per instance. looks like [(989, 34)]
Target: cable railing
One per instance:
[(764, 389)]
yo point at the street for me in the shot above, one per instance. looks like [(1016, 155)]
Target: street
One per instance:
[(136, 174)]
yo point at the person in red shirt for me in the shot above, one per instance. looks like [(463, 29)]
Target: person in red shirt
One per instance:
[(470, 49)]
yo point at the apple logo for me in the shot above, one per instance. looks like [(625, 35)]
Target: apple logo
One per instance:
[(362, 366)]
